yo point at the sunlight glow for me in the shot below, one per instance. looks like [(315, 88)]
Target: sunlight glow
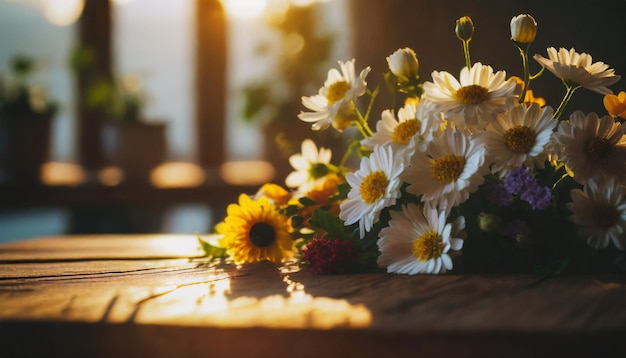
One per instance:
[(177, 175), (175, 245), (59, 173), (209, 301), (303, 3), (244, 9), (247, 172), (111, 175), (63, 12)]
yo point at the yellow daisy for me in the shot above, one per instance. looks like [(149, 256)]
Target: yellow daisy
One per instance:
[(254, 231)]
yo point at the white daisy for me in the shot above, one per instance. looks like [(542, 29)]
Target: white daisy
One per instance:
[(519, 137), (449, 170), (333, 102), (578, 69), (479, 93), (591, 145), (413, 129), (600, 212), (418, 241), (310, 166), (375, 186)]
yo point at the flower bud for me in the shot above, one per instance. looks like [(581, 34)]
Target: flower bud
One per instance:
[(523, 29), (403, 63), (464, 28), (489, 222)]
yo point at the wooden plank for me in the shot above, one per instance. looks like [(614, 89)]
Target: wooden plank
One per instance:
[(110, 307), (140, 246), (26, 270)]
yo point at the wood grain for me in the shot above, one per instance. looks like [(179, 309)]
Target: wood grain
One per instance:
[(119, 296)]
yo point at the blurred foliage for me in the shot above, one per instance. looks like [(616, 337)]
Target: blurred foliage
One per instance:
[(302, 67), (120, 98), (20, 97)]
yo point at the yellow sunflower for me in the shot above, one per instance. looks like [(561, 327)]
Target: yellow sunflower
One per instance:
[(254, 231)]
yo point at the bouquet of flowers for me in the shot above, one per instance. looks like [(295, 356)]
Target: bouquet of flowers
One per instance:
[(469, 174)]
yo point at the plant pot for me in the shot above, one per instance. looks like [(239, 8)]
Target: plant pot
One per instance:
[(134, 147), (24, 148)]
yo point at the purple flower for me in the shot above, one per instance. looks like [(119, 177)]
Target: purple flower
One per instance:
[(498, 195), (517, 180), (537, 196)]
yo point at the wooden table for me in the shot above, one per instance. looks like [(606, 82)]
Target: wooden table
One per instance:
[(154, 296)]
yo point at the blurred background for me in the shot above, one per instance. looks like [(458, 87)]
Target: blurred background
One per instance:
[(151, 116)]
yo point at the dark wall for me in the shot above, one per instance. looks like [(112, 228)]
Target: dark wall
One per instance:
[(595, 27)]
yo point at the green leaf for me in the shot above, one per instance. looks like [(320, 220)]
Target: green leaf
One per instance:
[(290, 210), (333, 225), (342, 192), (297, 221), (306, 201), (211, 251)]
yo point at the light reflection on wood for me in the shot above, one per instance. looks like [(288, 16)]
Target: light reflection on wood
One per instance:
[(209, 305)]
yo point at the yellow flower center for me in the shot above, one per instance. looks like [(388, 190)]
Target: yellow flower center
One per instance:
[(262, 234), (337, 91), (605, 215), (345, 116), (472, 94), (373, 186), (448, 168), (429, 245), (404, 131), (598, 148), (520, 138)]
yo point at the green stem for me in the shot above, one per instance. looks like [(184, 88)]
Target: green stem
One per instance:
[(362, 119), (568, 95), (524, 54), (536, 75), (362, 126), (373, 96), (346, 155), (556, 183), (466, 52)]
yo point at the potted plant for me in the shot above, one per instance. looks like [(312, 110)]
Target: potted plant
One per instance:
[(26, 115), (129, 142)]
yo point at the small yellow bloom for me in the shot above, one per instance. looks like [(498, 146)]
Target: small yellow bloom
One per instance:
[(530, 97), (412, 101), (464, 28), (322, 195), (616, 105), (274, 192), (523, 29)]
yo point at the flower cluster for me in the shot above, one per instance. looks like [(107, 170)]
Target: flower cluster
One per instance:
[(472, 173)]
